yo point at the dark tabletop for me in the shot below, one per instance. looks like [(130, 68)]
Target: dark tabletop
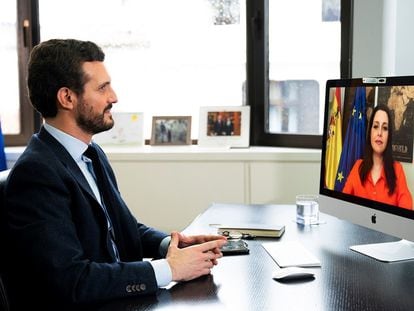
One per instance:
[(346, 280)]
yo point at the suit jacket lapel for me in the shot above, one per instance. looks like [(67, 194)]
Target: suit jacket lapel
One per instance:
[(66, 159)]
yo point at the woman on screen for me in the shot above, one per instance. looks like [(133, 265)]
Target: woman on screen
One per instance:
[(377, 176)]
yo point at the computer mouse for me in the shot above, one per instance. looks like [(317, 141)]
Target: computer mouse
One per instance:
[(292, 273)]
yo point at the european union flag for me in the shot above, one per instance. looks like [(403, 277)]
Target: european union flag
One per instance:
[(354, 142), (3, 164)]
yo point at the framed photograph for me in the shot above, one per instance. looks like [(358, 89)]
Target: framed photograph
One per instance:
[(128, 130), (171, 130), (224, 126)]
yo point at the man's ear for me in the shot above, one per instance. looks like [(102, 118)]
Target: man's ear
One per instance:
[(66, 98)]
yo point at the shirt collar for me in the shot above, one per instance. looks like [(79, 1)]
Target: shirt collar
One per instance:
[(382, 176), (74, 146)]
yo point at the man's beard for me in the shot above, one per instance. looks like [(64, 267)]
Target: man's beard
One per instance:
[(90, 122)]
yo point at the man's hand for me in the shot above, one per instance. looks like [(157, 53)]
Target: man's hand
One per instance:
[(185, 241), (195, 260)]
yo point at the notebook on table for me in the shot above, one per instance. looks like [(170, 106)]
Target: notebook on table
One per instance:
[(251, 230)]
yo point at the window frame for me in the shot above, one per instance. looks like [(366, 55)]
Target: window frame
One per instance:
[(257, 38), (27, 38)]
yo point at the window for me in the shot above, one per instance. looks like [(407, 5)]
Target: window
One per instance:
[(165, 57), (170, 57), (9, 64), (296, 47), (18, 32)]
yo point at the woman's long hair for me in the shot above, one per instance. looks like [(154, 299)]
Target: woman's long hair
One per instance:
[(388, 160)]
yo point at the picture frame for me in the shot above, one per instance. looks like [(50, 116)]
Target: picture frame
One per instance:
[(226, 126), (128, 130), (171, 130)]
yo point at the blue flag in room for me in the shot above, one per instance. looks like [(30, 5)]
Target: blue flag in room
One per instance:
[(354, 142), (3, 164)]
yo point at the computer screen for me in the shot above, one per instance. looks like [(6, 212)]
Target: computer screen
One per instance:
[(367, 171)]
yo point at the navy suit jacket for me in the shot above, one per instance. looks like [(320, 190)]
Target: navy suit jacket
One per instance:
[(59, 249)]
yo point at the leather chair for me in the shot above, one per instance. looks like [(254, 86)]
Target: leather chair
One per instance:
[(4, 302)]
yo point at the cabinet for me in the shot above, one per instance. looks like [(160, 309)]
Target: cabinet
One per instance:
[(167, 187)]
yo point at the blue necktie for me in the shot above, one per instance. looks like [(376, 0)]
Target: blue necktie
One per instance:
[(104, 187)]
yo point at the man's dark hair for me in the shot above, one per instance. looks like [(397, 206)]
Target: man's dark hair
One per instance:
[(57, 63)]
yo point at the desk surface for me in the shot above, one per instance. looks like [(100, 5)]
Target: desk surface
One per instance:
[(346, 281)]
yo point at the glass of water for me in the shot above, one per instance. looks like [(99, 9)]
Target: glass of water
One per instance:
[(307, 209)]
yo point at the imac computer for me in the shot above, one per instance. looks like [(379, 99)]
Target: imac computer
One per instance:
[(355, 179)]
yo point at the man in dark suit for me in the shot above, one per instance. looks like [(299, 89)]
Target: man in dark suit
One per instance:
[(71, 238)]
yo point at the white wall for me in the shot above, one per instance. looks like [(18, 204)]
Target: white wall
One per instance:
[(367, 38), (404, 54), (382, 38)]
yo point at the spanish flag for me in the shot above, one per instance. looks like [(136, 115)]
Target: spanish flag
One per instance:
[(334, 141)]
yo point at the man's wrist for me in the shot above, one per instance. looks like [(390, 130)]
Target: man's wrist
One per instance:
[(162, 270)]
